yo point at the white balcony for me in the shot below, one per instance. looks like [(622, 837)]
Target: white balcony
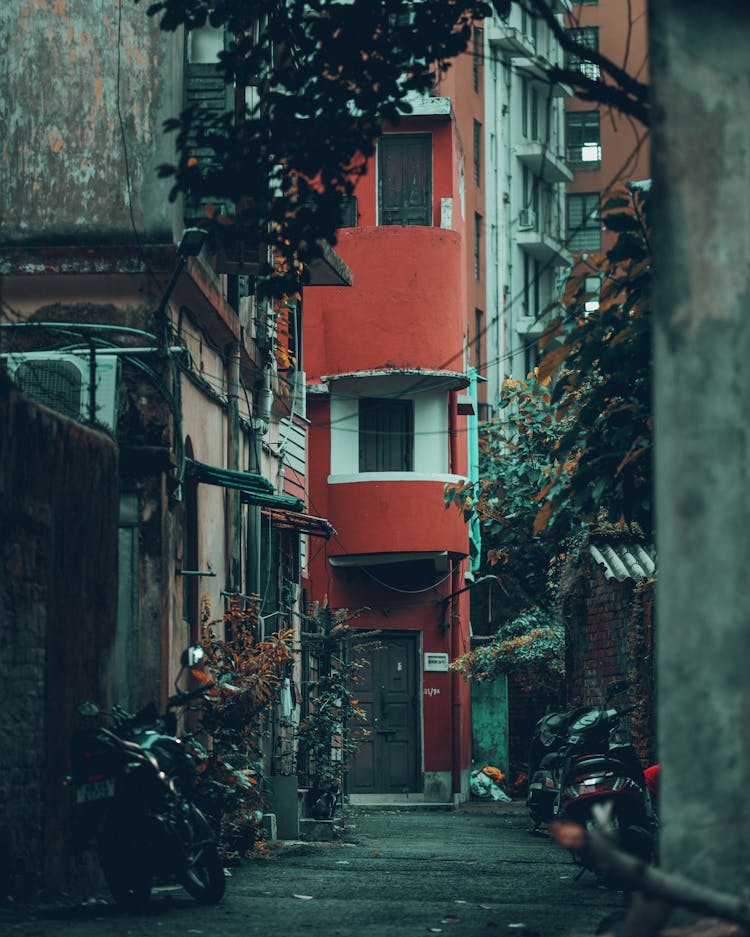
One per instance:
[(509, 40), (543, 162), (543, 247), (536, 68)]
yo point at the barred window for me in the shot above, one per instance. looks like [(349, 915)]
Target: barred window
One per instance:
[(584, 226), (584, 149), (587, 36)]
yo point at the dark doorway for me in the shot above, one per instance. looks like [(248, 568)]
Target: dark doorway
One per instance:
[(387, 761)]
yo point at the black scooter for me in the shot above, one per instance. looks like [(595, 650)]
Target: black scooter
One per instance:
[(133, 786)]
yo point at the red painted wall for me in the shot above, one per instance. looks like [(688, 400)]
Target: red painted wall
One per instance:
[(401, 516), (406, 308)]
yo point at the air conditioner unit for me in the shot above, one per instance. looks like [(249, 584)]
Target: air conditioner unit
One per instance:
[(61, 382), (526, 219)]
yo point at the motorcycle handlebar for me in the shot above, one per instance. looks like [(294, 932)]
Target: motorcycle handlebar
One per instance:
[(181, 698)]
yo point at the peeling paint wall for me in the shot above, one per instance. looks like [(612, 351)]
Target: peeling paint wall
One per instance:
[(87, 87)]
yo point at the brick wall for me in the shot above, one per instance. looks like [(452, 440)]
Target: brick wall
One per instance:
[(609, 638), (58, 568)]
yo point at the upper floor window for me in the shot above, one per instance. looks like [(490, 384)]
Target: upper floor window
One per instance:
[(583, 139), (477, 246), (386, 435), (476, 61), (587, 36), (405, 179), (584, 226), (477, 153), (349, 211)]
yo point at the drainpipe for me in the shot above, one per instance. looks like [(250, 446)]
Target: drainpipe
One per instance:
[(234, 508), (455, 687), (262, 404)]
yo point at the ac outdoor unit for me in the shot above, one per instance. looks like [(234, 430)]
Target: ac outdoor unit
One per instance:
[(526, 219), (61, 382)]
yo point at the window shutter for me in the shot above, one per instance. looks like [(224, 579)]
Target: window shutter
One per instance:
[(405, 167)]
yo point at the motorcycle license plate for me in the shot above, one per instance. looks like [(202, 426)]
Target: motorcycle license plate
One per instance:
[(95, 790)]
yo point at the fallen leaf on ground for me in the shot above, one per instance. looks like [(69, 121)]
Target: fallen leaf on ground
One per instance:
[(303, 897), (450, 919)]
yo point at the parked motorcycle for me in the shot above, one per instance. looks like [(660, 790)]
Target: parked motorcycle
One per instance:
[(581, 758), (133, 785)]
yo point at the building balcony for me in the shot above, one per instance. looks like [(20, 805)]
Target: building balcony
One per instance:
[(542, 246), (380, 517), (543, 162), (509, 40), (536, 68), (406, 310)]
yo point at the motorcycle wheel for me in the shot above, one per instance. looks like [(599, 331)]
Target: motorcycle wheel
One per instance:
[(204, 879)]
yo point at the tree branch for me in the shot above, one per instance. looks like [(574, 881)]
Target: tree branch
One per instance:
[(652, 883)]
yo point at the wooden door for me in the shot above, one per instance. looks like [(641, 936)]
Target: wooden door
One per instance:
[(387, 761)]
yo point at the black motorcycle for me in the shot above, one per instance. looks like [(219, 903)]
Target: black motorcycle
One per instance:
[(133, 786)]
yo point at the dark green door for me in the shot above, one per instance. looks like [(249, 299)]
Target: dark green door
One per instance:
[(387, 762)]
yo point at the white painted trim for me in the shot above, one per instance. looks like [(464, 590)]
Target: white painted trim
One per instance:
[(395, 477)]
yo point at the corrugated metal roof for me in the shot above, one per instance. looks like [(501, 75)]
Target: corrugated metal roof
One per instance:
[(623, 560)]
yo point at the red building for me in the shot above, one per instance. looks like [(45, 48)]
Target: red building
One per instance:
[(386, 364)]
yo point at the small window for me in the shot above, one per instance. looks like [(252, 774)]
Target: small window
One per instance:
[(525, 106), (477, 55), (477, 246), (534, 114), (584, 149), (349, 213), (584, 226), (478, 334), (592, 286), (405, 179), (386, 435), (477, 153), (587, 36)]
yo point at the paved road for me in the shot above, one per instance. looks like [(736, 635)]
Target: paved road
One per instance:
[(465, 873)]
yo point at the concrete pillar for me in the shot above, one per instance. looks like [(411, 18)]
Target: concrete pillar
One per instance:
[(700, 71)]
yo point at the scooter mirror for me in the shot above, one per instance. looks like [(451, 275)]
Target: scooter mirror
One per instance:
[(193, 655), (88, 708)]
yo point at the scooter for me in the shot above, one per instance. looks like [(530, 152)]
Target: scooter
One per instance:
[(602, 766), (579, 758), (133, 785), (547, 761)]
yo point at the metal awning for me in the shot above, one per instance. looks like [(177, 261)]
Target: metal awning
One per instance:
[(304, 523), (253, 488)]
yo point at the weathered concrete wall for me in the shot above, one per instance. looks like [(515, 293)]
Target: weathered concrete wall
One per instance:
[(58, 568), (72, 161), (701, 161)]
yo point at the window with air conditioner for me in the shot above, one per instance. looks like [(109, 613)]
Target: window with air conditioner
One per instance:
[(62, 382)]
